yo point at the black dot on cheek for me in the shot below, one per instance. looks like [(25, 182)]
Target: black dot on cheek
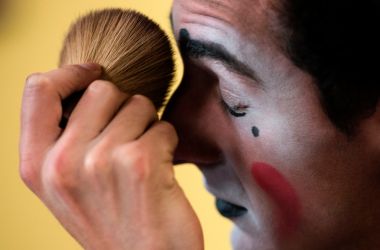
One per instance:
[(255, 131)]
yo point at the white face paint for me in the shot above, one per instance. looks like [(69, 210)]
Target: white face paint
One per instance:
[(295, 135)]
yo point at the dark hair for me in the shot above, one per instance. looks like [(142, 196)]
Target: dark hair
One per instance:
[(336, 42)]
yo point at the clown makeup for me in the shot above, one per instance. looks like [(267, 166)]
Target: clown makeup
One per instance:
[(242, 104)]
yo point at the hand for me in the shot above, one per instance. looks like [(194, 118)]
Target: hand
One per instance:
[(108, 176)]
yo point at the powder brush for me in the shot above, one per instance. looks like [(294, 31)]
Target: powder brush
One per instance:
[(135, 53)]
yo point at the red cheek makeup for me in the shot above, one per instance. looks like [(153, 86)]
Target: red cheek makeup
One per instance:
[(282, 193)]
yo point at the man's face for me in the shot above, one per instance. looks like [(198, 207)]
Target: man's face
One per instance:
[(253, 123)]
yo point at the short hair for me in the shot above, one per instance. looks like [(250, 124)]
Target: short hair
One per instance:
[(335, 41)]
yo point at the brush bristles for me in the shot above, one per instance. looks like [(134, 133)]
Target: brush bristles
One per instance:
[(135, 53)]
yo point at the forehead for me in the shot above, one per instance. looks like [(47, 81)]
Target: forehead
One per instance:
[(256, 18)]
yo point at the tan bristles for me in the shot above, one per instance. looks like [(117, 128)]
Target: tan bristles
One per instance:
[(135, 53)]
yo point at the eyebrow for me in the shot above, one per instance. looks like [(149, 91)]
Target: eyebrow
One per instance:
[(201, 49)]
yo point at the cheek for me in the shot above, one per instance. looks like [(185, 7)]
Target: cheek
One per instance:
[(287, 142), (297, 149), (269, 139), (272, 153), (282, 194)]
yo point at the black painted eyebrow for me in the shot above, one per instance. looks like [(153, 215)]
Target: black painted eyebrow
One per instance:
[(200, 49)]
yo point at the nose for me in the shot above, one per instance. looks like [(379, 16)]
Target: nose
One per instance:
[(192, 112)]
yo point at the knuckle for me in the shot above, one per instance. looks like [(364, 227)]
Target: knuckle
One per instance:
[(37, 82), (60, 174), (133, 161), (28, 175), (33, 77), (95, 163)]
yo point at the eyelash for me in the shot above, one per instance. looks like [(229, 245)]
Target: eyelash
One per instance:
[(236, 111)]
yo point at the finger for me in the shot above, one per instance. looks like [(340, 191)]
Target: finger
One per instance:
[(160, 142), (148, 160), (131, 121), (42, 110), (98, 105), (161, 138)]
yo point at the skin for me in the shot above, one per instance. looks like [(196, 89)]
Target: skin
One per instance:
[(335, 178), (108, 175), (110, 187), (282, 194)]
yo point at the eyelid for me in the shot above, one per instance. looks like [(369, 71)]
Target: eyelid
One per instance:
[(232, 99), (232, 110), (229, 101), (233, 104)]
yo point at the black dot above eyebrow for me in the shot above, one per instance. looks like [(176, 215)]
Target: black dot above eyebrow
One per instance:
[(255, 131)]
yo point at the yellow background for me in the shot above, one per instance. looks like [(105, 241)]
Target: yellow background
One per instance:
[(31, 33)]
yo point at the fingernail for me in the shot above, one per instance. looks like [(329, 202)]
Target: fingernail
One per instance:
[(91, 66)]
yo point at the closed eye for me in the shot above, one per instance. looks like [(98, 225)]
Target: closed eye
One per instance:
[(234, 111)]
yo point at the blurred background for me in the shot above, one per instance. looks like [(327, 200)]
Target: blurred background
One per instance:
[(31, 34)]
